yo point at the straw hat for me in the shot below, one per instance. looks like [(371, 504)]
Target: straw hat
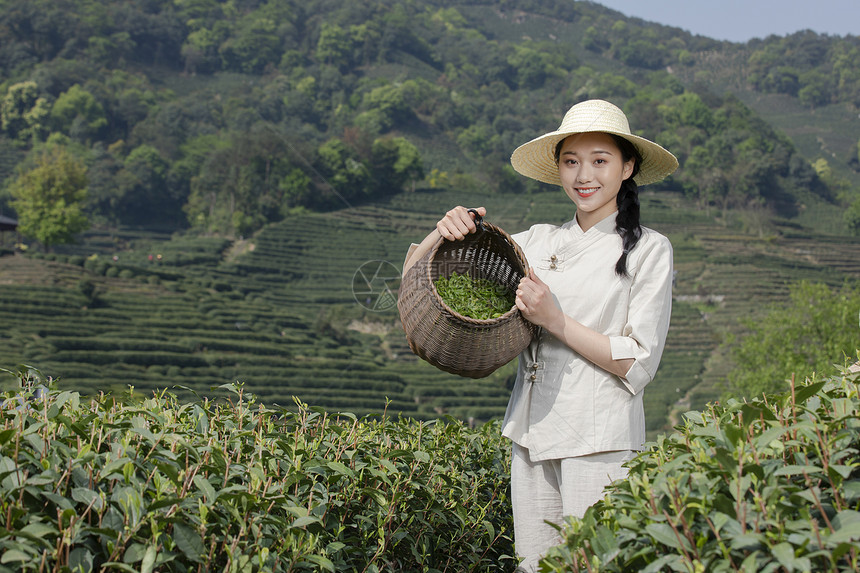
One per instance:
[(536, 159)]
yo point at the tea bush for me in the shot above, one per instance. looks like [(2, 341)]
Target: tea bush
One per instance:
[(134, 484), (766, 485)]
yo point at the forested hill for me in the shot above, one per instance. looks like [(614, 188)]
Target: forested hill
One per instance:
[(224, 116)]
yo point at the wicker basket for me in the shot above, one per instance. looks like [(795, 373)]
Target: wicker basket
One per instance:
[(448, 340)]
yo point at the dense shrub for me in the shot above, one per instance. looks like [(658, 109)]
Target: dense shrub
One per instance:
[(767, 485), (154, 484)]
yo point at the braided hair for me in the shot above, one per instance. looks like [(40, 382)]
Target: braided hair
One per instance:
[(627, 220)]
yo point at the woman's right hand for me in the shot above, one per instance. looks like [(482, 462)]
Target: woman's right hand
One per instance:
[(458, 222)]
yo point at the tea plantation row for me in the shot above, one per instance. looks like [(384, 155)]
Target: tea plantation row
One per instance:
[(157, 484), (135, 483)]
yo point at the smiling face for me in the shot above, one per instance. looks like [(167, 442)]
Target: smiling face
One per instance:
[(592, 167)]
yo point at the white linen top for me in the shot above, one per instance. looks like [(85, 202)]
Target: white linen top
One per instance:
[(562, 405)]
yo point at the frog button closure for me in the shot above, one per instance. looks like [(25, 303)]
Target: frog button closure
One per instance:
[(534, 372)]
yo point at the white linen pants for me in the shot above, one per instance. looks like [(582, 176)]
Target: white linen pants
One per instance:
[(550, 490)]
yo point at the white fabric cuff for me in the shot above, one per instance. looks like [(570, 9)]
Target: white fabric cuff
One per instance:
[(622, 347), (637, 377)]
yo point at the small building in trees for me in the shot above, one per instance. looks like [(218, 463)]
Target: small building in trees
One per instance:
[(7, 224)]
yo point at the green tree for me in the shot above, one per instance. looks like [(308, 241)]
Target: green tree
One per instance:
[(254, 45), (687, 110), (535, 64), (852, 217), (343, 169), (594, 41), (334, 46), (49, 197), (385, 106), (409, 167), (394, 163), (78, 114), (109, 50), (24, 113), (200, 50), (144, 196), (818, 328)]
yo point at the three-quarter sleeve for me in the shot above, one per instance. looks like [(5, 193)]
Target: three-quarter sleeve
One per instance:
[(644, 335)]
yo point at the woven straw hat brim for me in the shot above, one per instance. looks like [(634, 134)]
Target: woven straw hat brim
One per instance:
[(536, 159)]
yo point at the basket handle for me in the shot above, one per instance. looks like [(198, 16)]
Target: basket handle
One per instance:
[(479, 221)]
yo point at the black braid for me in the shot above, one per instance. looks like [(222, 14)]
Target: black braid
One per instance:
[(627, 220)]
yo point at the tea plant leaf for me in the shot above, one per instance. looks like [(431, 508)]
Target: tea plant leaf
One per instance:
[(664, 563), (752, 412), (791, 470), (38, 530), (6, 435), (766, 438), (14, 555), (145, 433), (845, 534), (205, 488), (164, 502), (305, 521), (746, 541), (113, 467), (188, 541), (851, 491), (663, 533), (784, 553), (340, 468), (80, 559), (134, 553), (36, 539), (229, 388), (148, 561), (841, 471), (843, 408), (606, 544), (120, 566), (41, 479), (806, 392), (321, 561), (476, 298), (87, 496), (334, 547), (847, 526), (376, 495)]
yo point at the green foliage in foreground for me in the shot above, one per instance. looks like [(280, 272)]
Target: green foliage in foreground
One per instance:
[(768, 485), (157, 485)]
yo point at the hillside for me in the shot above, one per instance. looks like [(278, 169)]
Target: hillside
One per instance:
[(262, 153), (226, 119)]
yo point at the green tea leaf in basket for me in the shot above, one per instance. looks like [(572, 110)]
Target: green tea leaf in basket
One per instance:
[(480, 299)]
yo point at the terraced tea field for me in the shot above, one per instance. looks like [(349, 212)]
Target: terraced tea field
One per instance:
[(301, 309)]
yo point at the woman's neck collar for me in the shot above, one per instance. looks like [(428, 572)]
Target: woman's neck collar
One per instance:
[(590, 220)]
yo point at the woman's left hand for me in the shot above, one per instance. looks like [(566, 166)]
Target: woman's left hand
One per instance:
[(535, 301)]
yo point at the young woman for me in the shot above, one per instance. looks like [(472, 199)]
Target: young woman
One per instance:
[(600, 289)]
